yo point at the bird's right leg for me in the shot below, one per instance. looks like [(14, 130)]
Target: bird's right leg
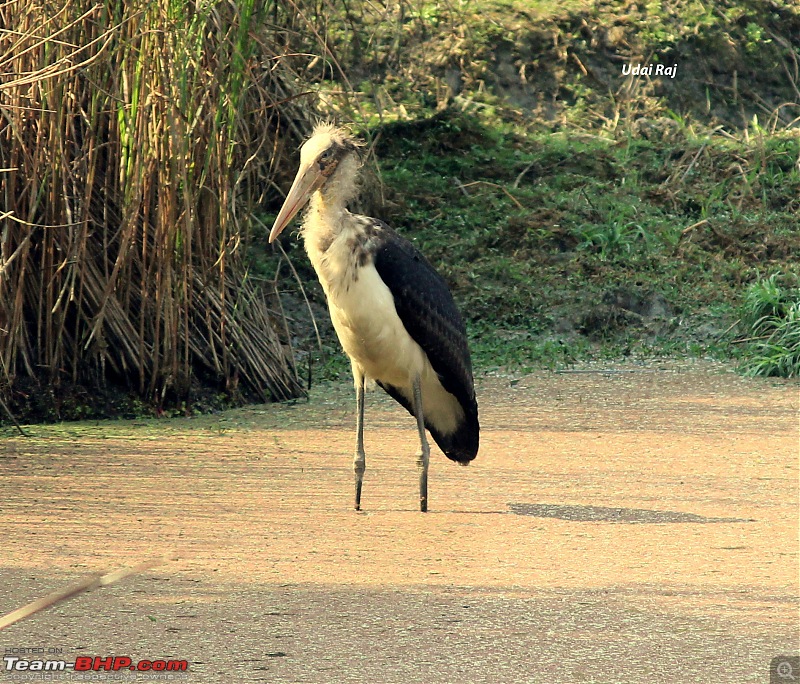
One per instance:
[(360, 460), (424, 456)]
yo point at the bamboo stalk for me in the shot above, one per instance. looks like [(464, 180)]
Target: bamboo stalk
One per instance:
[(87, 584), (13, 419)]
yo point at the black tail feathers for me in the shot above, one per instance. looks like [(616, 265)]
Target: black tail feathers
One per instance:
[(461, 445)]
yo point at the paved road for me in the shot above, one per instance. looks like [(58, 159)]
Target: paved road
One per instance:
[(626, 527)]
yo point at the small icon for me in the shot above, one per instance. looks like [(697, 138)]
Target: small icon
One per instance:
[(784, 669)]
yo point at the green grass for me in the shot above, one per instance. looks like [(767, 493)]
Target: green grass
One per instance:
[(535, 229), (779, 353), (771, 318), (557, 225)]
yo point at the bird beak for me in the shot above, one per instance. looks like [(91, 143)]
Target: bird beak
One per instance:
[(308, 180)]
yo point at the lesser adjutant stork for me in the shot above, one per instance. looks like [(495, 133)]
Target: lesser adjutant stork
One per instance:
[(393, 313)]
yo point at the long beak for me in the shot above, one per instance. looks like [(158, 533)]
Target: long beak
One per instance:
[(308, 180)]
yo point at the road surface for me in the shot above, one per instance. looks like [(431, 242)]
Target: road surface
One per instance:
[(634, 526)]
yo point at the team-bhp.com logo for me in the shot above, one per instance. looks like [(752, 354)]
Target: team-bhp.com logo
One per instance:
[(94, 664)]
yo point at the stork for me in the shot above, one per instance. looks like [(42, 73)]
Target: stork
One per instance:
[(393, 313)]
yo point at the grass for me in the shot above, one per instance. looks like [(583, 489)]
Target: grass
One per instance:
[(771, 319), (557, 245), (535, 230), (554, 242), (778, 352), (560, 225)]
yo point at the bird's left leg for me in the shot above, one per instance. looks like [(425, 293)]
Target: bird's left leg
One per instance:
[(424, 450), (360, 459)]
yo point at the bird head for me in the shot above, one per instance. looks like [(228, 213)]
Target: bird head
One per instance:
[(329, 162)]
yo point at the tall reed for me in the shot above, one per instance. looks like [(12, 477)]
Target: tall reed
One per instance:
[(135, 138)]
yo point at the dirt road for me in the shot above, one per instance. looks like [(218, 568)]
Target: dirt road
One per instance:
[(636, 526)]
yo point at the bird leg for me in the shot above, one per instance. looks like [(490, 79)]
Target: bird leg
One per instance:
[(424, 455), (360, 460)]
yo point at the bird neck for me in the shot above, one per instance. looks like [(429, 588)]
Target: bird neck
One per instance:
[(327, 204), (327, 208), (322, 223), (341, 187)]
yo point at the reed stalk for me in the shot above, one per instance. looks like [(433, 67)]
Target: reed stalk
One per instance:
[(136, 136)]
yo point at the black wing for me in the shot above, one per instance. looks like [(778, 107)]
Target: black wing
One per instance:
[(429, 314)]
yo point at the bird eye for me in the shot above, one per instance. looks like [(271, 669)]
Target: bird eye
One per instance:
[(327, 154)]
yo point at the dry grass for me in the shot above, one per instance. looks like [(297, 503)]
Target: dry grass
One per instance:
[(135, 138)]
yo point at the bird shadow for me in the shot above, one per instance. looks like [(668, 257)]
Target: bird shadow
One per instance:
[(585, 513)]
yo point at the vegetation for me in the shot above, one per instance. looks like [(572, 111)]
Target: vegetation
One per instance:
[(577, 213), (131, 141), (771, 314)]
